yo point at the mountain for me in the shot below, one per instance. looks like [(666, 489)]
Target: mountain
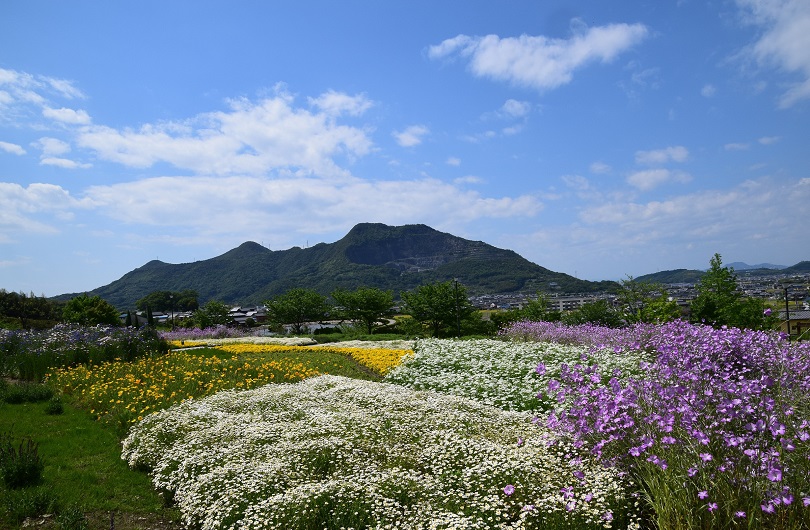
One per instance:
[(740, 266), (396, 258)]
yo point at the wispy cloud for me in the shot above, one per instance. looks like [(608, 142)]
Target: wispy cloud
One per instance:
[(12, 148), (411, 136), (784, 41), (676, 153), (540, 62)]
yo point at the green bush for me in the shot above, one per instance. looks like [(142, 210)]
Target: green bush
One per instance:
[(54, 406), (18, 505), (20, 465), (25, 393)]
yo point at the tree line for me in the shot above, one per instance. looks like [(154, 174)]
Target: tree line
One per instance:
[(440, 309)]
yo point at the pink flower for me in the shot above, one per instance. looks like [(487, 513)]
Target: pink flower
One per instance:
[(703, 494), (509, 489)]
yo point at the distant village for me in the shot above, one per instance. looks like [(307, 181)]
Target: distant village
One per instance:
[(792, 292)]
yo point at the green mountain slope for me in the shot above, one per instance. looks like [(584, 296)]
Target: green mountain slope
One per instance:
[(395, 258)]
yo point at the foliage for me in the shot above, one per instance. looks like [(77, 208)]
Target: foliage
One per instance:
[(17, 505), (332, 452), (365, 305), (20, 464), (439, 306), (720, 303), (90, 310), (535, 310), (297, 307), (29, 311), (599, 313), (213, 313), (25, 393), (170, 300), (213, 332), (645, 301), (29, 355)]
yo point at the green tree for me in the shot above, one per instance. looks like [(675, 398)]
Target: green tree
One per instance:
[(719, 302), (536, 310), (170, 300), (439, 306), (599, 312), (297, 307), (90, 310), (213, 313), (641, 301), (365, 305)]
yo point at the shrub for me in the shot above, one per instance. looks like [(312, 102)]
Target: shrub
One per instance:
[(54, 406), (26, 393), (20, 504), (20, 465)]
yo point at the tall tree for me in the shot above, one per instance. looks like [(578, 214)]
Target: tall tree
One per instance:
[(719, 302), (641, 301), (91, 310), (296, 307), (440, 306), (213, 313), (366, 305)]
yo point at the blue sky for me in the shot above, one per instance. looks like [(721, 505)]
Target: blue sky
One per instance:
[(599, 139)]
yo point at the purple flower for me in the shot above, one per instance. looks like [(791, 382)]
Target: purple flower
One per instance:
[(775, 474), (806, 501), (712, 506), (703, 494), (706, 457), (520, 441), (541, 369), (509, 489), (767, 312), (740, 514), (691, 472), (767, 508), (607, 516)]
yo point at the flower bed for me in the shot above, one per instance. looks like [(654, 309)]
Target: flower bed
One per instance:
[(336, 452)]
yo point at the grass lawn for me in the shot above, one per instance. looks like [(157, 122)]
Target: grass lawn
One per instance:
[(83, 467)]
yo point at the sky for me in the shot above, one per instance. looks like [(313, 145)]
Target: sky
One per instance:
[(599, 139)]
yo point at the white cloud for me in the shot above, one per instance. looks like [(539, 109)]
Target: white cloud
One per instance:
[(250, 138), (469, 179), (708, 90), (21, 208), (63, 163), (337, 103), (652, 178), (453, 161), (295, 205), (785, 41), (19, 91), (599, 168), (768, 140), (540, 62), (65, 115), (676, 153), (52, 146), (737, 146), (411, 136), (14, 149), (513, 108)]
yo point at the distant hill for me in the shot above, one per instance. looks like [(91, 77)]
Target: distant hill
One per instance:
[(741, 266), (673, 276), (396, 258), (741, 269)]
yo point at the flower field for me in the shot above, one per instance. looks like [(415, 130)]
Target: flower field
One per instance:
[(551, 426), (333, 452)]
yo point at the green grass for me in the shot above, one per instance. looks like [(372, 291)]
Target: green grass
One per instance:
[(83, 464)]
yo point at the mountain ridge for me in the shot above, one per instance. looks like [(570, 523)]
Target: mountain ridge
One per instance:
[(396, 258)]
